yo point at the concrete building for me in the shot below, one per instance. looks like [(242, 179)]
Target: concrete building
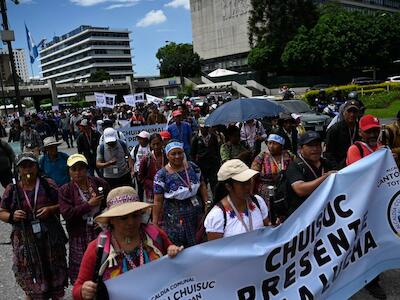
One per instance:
[(20, 63), (220, 29), (85, 50)]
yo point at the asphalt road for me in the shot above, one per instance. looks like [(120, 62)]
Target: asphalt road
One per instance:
[(10, 290)]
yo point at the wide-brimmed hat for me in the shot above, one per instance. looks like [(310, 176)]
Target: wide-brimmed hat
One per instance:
[(75, 158), (25, 156), (121, 201), (51, 141), (237, 170)]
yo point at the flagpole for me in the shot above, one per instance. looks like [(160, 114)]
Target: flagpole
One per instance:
[(33, 74)]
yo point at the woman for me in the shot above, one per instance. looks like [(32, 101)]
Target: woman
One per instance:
[(129, 242), (80, 200), (271, 164), (37, 237), (175, 192), (233, 148), (151, 164), (236, 210)]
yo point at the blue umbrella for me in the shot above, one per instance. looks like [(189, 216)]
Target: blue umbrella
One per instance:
[(242, 110)]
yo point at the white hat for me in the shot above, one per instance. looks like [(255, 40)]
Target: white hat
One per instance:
[(51, 141), (235, 169), (84, 122), (110, 135), (144, 135)]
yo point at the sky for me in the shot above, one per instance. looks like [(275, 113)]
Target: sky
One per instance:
[(152, 23)]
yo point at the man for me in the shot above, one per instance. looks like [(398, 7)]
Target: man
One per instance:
[(342, 135), (87, 142), (66, 130), (369, 131), (30, 140), (287, 129), (205, 153), (7, 157), (252, 133), (113, 157), (307, 171), (107, 123), (15, 131), (74, 120), (392, 134), (54, 163), (155, 117), (181, 131), (137, 153), (137, 118)]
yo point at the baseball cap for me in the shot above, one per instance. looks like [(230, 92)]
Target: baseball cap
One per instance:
[(202, 122), (75, 158), (308, 137), (368, 122), (110, 135), (176, 113), (165, 135), (237, 170), (26, 156), (144, 134), (351, 104)]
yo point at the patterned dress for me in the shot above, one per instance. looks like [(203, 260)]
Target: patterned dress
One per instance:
[(182, 209), (47, 263)]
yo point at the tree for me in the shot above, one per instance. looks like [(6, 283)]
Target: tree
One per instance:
[(178, 59), (272, 23), (99, 76), (344, 41)]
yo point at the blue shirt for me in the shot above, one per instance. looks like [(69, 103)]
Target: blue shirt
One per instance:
[(55, 169), (182, 133)]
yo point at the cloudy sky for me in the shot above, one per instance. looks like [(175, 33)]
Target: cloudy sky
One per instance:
[(152, 22)]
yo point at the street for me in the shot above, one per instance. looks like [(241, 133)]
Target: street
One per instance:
[(10, 290)]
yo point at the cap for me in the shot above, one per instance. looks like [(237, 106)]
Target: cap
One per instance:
[(110, 135), (368, 122), (351, 104), (75, 158), (235, 169), (202, 122), (26, 156), (165, 135), (308, 137), (176, 113), (51, 141), (144, 134)]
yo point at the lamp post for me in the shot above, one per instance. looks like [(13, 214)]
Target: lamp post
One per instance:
[(8, 36)]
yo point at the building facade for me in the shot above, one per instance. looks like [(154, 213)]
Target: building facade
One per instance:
[(220, 29), (20, 64), (85, 50)]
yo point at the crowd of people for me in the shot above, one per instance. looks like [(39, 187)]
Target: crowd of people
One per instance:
[(186, 185)]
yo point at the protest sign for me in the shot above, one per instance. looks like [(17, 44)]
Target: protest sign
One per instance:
[(104, 100), (131, 100), (131, 132), (344, 235), (152, 99)]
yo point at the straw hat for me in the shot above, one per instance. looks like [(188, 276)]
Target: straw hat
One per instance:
[(121, 201), (51, 141)]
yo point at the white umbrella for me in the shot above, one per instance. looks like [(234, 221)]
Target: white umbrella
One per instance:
[(222, 72)]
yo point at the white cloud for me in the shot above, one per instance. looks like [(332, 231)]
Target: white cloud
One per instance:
[(179, 3), (153, 17), (111, 3)]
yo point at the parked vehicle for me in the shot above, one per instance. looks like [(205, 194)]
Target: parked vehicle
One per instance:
[(364, 81), (393, 79)]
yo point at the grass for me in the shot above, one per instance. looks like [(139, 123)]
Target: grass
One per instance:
[(388, 112)]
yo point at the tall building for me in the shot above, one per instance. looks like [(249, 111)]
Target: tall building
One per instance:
[(20, 63), (220, 29), (85, 50)]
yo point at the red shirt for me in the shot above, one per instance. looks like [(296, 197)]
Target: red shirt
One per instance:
[(353, 153)]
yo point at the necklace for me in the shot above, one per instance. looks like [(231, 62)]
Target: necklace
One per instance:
[(127, 256)]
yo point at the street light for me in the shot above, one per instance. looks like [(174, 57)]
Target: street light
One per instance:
[(7, 36)]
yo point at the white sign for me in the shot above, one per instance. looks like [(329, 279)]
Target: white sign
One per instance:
[(153, 99), (131, 132), (344, 235), (104, 100), (131, 100)]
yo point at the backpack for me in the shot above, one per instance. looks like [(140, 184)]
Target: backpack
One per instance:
[(122, 143), (359, 147), (201, 235)]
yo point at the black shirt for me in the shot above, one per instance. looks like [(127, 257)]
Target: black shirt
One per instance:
[(299, 171), (338, 140)]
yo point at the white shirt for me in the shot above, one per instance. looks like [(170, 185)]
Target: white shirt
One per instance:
[(248, 132), (142, 152), (214, 221)]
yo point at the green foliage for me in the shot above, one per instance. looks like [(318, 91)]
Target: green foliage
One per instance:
[(387, 112), (46, 101), (99, 76), (344, 41), (186, 91), (176, 59), (260, 58), (380, 100)]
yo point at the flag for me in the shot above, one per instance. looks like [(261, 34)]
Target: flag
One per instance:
[(33, 49)]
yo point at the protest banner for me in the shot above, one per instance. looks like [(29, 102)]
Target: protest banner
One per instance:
[(131, 132), (131, 100), (104, 100), (343, 236), (155, 100)]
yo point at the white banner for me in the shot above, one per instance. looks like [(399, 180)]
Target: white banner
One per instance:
[(131, 132), (104, 100), (343, 236), (155, 100), (131, 100)]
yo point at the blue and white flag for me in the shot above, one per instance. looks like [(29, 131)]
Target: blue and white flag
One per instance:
[(343, 236), (33, 49)]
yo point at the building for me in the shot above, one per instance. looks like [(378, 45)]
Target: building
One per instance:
[(220, 29), (20, 64), (85, 50)]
